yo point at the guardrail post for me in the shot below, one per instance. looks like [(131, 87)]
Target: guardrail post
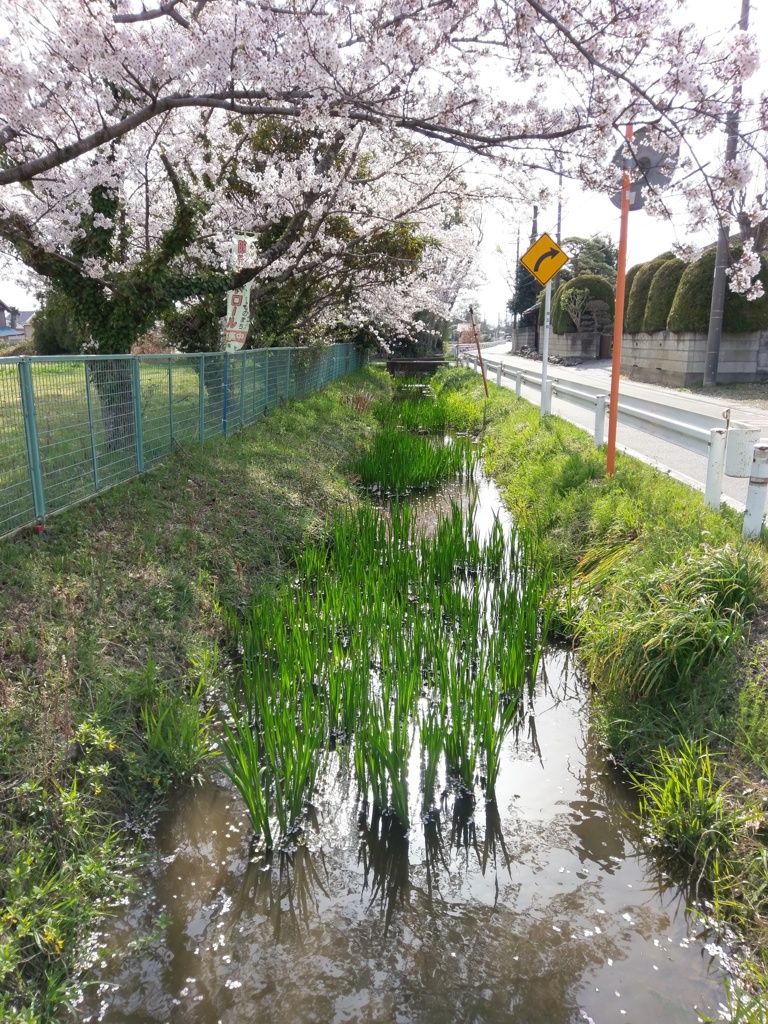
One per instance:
[(758, 482), (600, 401), (474, 363), (91, 432), (137, 430), (201, 400), (498, 375), (519, 383), (30, 433), (546, 398), (713, 489), (225, 396)]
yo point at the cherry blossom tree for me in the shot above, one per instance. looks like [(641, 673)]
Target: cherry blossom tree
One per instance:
[(126, 132)]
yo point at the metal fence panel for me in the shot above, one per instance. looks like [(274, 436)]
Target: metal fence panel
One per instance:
[(17, 505), (71, 426)]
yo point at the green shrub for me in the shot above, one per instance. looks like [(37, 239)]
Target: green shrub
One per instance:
[(662, 294), (638, 296), (594, 312), (690, 310)]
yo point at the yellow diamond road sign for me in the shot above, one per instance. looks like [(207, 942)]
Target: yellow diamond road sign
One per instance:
[(544, 259)]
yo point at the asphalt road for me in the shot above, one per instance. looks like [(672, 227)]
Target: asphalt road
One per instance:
[(668, 458)]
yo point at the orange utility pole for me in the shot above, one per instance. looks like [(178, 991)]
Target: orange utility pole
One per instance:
[(618, 319)]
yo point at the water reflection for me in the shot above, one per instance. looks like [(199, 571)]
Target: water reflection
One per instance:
[(537, 907)]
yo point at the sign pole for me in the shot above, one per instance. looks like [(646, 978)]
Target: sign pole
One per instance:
[(545, 410), (618, 318)]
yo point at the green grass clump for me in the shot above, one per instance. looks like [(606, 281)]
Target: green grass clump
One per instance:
[(659, 631), (684, 803), (398, 462), (387, 641)]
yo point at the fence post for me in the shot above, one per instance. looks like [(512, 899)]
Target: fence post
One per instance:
[(201, 400), (758, 482), (600, 420), (242, 389), (30, 433), (94, 456), (170, 400), (266, 381), (136, 388), (519, 383), (255, 369), (225, 396), (288, 378), (713, 489), (498, 375)]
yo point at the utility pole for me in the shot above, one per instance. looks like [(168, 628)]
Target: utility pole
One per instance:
[(715, 332), (559, 216), (517, 275), (534, 236), (618, 319)]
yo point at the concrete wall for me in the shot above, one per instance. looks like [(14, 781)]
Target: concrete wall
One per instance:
[(574, 346), (678, 359)]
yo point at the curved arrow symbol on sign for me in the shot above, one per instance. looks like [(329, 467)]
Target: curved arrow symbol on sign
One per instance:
[(544, 256)]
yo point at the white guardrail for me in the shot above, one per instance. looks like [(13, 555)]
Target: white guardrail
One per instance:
[(731, 448)]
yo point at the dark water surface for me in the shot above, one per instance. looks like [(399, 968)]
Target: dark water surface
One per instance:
[(541, 909)]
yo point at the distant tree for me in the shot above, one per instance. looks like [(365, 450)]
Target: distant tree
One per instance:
[(596, 255), (525, 295)]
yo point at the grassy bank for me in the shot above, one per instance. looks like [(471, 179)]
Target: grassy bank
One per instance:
[(109, 634), (667, 607)]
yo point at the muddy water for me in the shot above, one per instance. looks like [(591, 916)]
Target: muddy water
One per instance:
[(541, 909)]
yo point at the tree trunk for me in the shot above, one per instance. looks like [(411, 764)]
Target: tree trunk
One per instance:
[(114, 384)]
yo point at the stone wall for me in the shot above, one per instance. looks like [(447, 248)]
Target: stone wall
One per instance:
[(574, 346), (678, 359)]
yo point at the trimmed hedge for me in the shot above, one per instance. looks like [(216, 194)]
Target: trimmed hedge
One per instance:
[(690, 310), (662, 294), (629, 278), (638, 296), (597, 287)]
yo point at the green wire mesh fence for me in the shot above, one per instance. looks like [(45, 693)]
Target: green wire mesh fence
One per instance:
[(71, 426)]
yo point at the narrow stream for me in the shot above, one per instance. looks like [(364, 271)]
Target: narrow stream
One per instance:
[(547, 911)]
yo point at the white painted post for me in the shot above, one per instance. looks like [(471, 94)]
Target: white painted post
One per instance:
[(713, 489), (519, 383), (546, 396), (600, 401), (474, 363), (546, 392), (758, 483), (498, 375)]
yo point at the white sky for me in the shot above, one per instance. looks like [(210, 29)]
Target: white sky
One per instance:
[(584, 214)]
